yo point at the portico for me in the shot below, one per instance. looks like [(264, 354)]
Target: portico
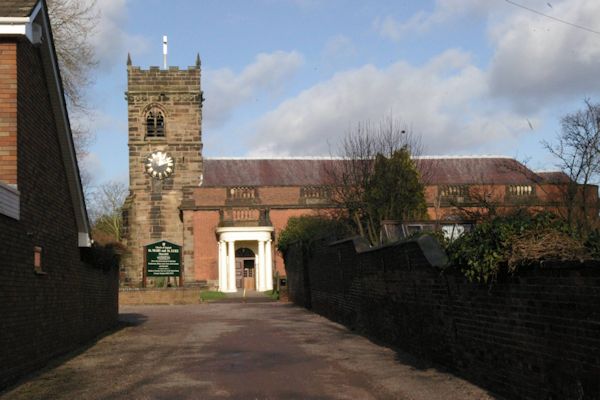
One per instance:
[(250, 241)]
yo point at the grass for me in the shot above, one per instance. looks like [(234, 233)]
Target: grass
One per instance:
[(210, 295), (272, 294)]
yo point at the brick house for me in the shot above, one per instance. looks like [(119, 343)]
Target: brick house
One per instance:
[(226, 213), (50, 300)]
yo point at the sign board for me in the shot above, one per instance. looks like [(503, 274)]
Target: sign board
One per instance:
[(163, 259)]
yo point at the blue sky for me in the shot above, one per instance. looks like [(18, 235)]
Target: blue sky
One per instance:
[(291, 77)]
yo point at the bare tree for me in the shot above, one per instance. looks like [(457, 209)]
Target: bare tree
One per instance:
[(578, 155), (105, 210), (362, 157), (73, 24)]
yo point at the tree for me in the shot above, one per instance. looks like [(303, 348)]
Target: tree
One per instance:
[(578, 155), (376, 178), (105, 211), (73, 25)]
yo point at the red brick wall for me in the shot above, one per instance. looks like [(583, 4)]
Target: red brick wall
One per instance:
[(8, 112), (71, 303), (205, 245)]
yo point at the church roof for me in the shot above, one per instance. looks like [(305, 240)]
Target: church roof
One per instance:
[(439, 170), (554, 176), (16, 8)]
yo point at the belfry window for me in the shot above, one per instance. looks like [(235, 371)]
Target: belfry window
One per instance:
[(155, 123)]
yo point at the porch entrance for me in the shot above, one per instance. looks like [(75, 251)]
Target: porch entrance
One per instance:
[(245, 272)]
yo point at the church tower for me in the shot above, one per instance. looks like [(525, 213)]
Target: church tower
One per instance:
[(164, 109)]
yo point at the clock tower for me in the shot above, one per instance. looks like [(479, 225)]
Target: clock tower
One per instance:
[(164, 109)]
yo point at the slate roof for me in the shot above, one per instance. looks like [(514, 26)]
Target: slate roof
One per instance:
[(311, 171), (554, 176), (17, 8)]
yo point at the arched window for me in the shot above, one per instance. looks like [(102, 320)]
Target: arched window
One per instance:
[(155, 123), (244, 252)]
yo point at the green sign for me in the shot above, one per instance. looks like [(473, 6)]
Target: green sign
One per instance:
[(163, 259)]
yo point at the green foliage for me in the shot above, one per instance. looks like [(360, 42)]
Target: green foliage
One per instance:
[(487, 249), (394, 190), (592, 243), (307, 228)]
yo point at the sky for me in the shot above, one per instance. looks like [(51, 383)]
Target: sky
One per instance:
[(292, 77)]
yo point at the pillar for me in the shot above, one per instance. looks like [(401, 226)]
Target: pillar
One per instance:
[(261, 266), (257, 272), (231, 267), (222, 266), (268, 265)]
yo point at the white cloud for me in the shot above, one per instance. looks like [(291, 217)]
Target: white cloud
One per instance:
[(338, 47), (111, 41), (538, 60), (227, 90), (442, 100), (444, 11)]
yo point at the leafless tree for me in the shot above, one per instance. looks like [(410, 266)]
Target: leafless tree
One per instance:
[(577, 151), (105, 209), (351, 174), (73, 25)]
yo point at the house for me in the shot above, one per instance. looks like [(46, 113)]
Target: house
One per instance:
[(50, 300)]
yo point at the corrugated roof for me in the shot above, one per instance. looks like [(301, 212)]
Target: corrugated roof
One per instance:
[(17, 8), (310, 171)]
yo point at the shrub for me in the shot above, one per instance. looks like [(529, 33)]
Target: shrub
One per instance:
[(307, 228), (506, 243)]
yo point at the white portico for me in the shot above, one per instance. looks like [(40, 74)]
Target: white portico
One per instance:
[(245, 258)]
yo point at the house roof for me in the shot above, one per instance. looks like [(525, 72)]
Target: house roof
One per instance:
[(554, 176), (29, 19), (17, 8), (316, 171)]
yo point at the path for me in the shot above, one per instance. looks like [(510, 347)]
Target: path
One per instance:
[(240, 351)]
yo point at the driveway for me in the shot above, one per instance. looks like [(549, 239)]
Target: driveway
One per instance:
[(239, 351)]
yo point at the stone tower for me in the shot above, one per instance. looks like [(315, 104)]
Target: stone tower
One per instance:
[(165, 160)]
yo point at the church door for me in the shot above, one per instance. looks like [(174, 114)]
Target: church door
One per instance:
[(245, 273)]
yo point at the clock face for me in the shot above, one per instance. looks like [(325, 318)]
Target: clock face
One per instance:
[(159, 165)]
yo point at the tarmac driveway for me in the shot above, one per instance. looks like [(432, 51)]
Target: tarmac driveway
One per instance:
[(241, 351)]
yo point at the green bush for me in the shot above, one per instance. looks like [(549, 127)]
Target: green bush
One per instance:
[(307, 228), (508, 242)]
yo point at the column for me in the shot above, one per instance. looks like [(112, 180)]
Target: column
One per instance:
[(222, 266), (231, 267), (269, 266), (261, 266), (257, 273)]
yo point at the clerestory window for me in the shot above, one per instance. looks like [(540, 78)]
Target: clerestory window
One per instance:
[(155, 123)]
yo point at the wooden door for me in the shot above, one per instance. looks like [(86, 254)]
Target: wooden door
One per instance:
[(239, 274), (249, 281)]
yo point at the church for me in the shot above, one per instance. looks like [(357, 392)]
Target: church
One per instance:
[(223, 215)]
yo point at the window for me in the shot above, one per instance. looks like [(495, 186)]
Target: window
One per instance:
[(155, 123), (37, 260)]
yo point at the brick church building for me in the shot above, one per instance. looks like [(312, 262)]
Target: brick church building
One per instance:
[(226, 213)]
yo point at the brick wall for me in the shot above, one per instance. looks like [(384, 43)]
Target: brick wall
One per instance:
[(535, 335), (8, 112), (70, 303)]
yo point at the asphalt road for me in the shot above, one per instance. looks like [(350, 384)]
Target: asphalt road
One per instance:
[(238, 351)]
